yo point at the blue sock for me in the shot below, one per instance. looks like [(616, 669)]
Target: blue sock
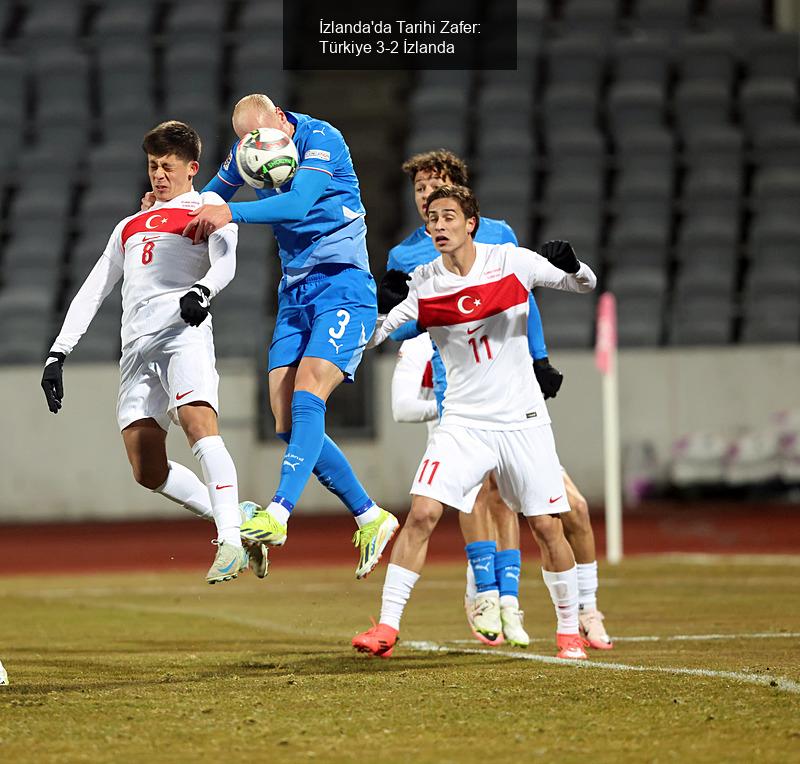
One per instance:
[(305, 444), (481, 557), (507, 565), (335, 473)]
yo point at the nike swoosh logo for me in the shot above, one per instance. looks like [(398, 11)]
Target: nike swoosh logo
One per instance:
[(183, 395), (553, 501), (228, 566), (150, 238), (472, 331), (220, 487)]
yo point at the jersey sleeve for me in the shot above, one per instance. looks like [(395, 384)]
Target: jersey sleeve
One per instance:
[(227, 180), (408, 310), (534, 270), (323, 150), (101, 280), (536, 345)]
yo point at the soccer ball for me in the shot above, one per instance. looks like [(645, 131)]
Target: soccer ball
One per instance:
[(266, 158)]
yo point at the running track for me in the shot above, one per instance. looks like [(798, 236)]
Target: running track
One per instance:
[(325, 540)]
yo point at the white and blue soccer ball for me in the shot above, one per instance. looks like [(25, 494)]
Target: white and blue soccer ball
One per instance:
[(266, 158)]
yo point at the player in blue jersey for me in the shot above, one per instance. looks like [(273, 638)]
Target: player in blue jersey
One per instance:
[(491, 530), (326, 312)]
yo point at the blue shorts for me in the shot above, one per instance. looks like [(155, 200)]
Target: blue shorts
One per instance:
[(330, 314)]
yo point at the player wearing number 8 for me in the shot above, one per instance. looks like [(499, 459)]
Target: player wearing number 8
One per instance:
[(473, 301), (167, 370)]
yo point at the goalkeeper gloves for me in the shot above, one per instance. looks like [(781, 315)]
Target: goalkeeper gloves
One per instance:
[(194, 305), (53, 380), (392, 290), (561, 254), (548, 377)]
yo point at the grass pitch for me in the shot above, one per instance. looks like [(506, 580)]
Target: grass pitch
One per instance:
[(162, 668)]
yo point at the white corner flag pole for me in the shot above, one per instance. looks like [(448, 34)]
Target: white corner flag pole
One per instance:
[(606, 361)]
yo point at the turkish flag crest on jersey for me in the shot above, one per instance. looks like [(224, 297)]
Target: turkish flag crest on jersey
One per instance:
[(165, 220), (472, 303)]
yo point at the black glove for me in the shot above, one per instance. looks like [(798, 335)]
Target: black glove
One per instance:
[(53, 380), (561, 254), (194, 305), (548, 377), (392, 290)]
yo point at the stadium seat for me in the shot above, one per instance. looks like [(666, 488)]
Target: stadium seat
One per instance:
[(720, 145), (777, 191), (649, 149), (639, 321), (775, 238), (25, 315), (700, 104), (713, 189), (637, 242), (61, 75), (123, 23), (577, 149), (568, 319), (201, 20), (739, 16), (699, 279), (263, 15), (126, 75), (772, 55), (568, 107), (52, 23), (633, 106), (116, 163), (438, 105), (637, 281), (191, 68), (596, 17), (701, 320), (709, 239), (575, 60), (708, 56), (515, 106), (767, 318), (768, 101), (251, 59), (662, 15), (777, 146), (642, 58)]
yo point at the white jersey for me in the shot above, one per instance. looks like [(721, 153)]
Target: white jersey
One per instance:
[(412, 382), (157, 265), (479, 324)]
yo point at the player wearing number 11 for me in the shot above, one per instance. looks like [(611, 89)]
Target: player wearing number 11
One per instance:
[(473, 301)]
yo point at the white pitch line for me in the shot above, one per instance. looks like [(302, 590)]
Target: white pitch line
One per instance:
[(677, 637), (778, 682)]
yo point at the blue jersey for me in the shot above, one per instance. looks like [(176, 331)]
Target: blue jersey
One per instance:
[(417, 249), (333, 230)]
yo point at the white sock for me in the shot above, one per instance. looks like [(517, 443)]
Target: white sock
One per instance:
[(373, 513), (587, 585), (222, 486), (184, 487), (472, 587), (509, 600), (563, 587), (279, 512), (396, 590)]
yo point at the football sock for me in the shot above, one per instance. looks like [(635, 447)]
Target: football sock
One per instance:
[(220, 476), (563, 587), (335, 473), (587, 585), (397, 588), (280, 509), (507, 566), (305, 444), (184, 487), (472, 589), (481, 556)]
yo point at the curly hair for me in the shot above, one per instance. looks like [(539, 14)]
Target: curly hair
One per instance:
[(442, 162)]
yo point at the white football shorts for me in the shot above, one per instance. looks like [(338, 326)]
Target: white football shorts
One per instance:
[(525, 463), (160, 372)]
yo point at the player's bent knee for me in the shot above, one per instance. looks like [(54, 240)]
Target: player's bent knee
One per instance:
[(546, 529), (150, 478), (578, 516), (424, 515)]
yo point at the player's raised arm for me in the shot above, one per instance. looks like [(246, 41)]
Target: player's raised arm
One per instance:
[(83, 308), (558, 267)]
